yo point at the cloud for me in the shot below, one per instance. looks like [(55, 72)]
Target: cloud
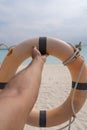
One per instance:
[(20, 19)]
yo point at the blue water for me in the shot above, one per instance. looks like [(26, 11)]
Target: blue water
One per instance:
[(50, 59)]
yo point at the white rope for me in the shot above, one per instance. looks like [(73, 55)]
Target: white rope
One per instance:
[(72, 101), (3, 44), (74, 91), (72, 58), (69, 125), (71, 121)]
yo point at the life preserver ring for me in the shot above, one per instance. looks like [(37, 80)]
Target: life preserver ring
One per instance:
[(63, 51)]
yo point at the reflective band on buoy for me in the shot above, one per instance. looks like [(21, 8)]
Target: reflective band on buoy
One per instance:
[(80, 86), (42, 121), (42, 45), (2, 85)]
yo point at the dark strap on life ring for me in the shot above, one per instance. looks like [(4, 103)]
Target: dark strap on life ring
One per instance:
[(2, 85), (80, 86), (42, 120), (42, 45)]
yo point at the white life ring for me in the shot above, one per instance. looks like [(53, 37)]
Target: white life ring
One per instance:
[(65, 53)]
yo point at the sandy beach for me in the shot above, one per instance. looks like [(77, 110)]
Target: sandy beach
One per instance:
[(55, 87)]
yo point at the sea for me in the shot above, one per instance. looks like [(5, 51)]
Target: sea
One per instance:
[(50, 59)]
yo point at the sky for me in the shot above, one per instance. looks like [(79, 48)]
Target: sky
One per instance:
[(24, 19)]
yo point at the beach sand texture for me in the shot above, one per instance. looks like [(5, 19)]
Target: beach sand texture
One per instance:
[(55, 88)]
